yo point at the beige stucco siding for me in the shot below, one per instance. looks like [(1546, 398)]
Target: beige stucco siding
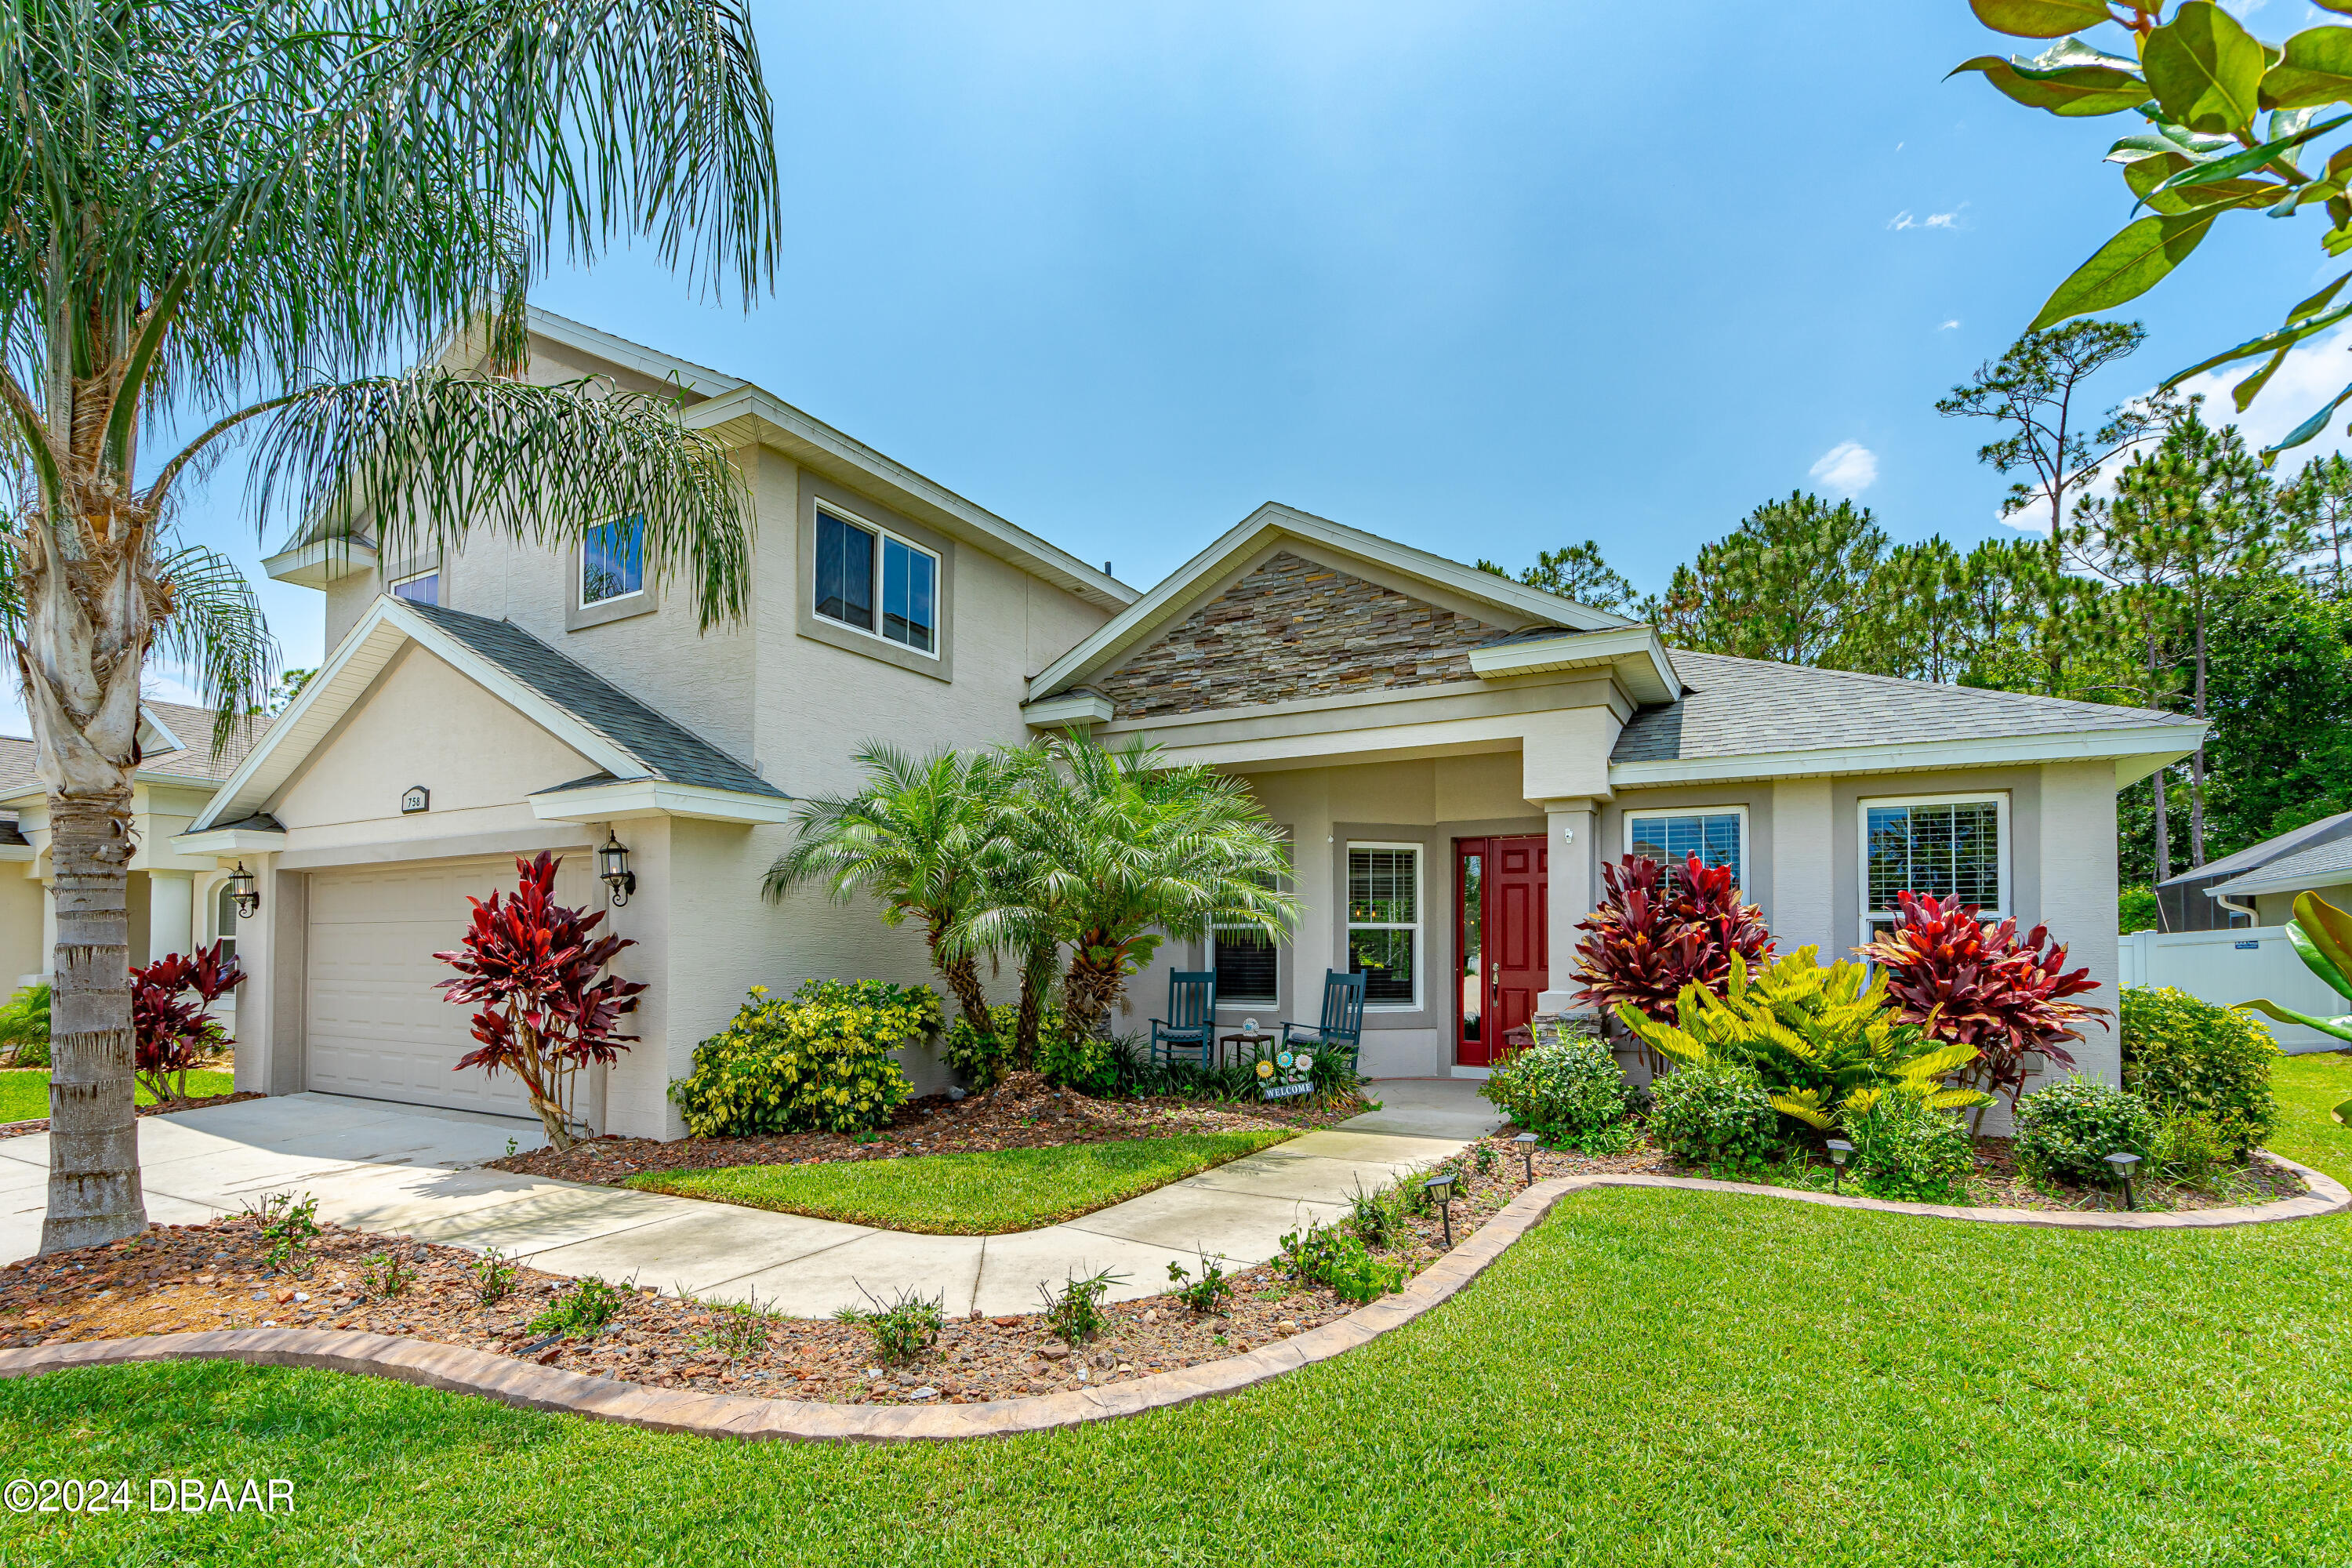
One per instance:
[(2277, 908)]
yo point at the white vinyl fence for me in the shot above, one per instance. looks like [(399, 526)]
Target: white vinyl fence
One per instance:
[(2227, 967)]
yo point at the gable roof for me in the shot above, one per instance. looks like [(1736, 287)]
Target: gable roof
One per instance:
[(2269, 851), (176, 746), (2318, 863), (1513, 604), (628, 740), (1737, 711)]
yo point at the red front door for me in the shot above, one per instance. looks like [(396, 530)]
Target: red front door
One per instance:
[(1501, 939)]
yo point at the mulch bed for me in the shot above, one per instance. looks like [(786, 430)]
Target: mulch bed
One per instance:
[(166, 1107), (1024, 1112)]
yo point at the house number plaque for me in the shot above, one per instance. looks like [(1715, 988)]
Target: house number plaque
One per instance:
[(418, 798)]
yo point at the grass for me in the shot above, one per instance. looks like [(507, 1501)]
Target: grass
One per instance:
[(1652, 1377), (25, 1093), (967, 1194)]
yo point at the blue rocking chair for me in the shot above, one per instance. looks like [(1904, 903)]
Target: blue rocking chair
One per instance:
[(1342, 1029), (1191, 1019)]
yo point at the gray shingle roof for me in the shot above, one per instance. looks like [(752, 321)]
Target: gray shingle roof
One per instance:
[(2317, 867), (195, 760), (2326, 829), (1734, 707), (666, 749)]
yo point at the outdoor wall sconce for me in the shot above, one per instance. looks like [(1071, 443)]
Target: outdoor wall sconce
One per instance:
[(1839, 1150), (613, 868), (245, 892), (1526, 1142), (1441, 1187), (2124, 1166)]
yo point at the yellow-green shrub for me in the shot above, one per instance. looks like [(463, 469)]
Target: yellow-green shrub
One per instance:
[(818, 1060)]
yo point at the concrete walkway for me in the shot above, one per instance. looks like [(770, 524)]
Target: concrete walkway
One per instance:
[(409, 1171)]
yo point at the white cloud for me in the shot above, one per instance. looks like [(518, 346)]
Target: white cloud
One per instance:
[(1906, 218), (1847, 468), (1947, 326)]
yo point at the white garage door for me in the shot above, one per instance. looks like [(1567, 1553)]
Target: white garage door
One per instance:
[(374, 1022)]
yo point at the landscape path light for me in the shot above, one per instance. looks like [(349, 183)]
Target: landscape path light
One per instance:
[(1839, 1150), (2124, 1166), (1441, 1187), (1526, 1142)]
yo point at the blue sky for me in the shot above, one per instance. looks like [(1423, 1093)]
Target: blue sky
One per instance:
[(1482, 277)]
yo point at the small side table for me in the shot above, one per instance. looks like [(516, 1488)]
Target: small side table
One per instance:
[(1238, 1042)]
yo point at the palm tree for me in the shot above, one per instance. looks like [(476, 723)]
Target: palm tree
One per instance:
[(911, 838), (243, 213), (1118, 851)]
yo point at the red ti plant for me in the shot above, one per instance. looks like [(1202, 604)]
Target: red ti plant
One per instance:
[(532, 967), (172, 1024), (1648, 941), (1971, 984)]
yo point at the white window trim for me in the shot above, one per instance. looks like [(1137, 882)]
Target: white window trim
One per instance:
[(826, 509), (1417, 925), (2000, 797), (397, 583), (580, 585), (1652, 814)]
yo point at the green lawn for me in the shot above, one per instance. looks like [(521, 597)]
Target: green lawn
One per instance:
[(1652, 1377), (967, 1194), (24, 1094)]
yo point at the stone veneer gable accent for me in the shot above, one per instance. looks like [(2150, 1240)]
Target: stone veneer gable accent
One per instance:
[(1293, 628)]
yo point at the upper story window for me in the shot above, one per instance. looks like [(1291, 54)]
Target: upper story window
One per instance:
[(876, 581), (419, 587), (1717, 835), (1953, 846), (612, 561)]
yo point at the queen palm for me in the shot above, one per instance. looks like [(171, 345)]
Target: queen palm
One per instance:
[(910, 838), (236, 219)]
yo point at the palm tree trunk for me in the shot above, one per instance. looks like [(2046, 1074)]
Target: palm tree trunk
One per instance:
[(1037, 978), (1089, 991), (94, 1192), (963, 975)]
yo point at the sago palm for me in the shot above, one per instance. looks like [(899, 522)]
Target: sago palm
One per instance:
[(239, 218), (912, 839)]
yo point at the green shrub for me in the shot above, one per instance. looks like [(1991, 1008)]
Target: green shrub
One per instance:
[(1089, 1067), (904, 1327), (2186, 1054), (582, 1312), (2065, 1133), (2191, 1150), (820, 1060), (1714, 1113), (984, 1057), (1910, 1151), (25, 1028), (1570, 1086), (1075, 1312)]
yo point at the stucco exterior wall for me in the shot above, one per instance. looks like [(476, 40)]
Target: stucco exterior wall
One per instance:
[(2277, 908), (22, 959)]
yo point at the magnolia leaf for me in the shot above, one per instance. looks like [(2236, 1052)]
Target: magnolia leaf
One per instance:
[(2130, 264), (2246, 391), (2309, 427), (2339, 6), (2316, 69), (2287, 121), (2077, 91), (2278, 342), (2205, 70), (2317, 959), (2068, 53), (2153, 179), (2329, 930), (2211, 170), (2040, 18)]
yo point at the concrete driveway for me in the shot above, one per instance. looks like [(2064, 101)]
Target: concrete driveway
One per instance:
[(410, 1171)]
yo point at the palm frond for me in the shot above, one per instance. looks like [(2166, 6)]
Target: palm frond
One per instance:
[(215, 628)]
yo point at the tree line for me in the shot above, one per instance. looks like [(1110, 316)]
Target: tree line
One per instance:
[(2199, 581)]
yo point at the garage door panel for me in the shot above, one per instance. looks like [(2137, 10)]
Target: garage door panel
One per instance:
[(375, 1023)]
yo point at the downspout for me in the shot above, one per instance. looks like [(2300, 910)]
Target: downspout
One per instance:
[(2236, 908)]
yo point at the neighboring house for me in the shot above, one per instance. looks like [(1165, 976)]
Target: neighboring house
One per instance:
[(1453, 754), (2257, 887), (177, 901)]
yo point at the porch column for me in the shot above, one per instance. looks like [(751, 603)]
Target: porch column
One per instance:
[(1572, 833), (170, 912)]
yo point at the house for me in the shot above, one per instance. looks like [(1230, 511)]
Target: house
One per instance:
[(1454, 756), (177, 901), (2257, 885)]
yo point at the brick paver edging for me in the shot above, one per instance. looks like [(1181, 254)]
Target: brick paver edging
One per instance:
[(463, 1369)]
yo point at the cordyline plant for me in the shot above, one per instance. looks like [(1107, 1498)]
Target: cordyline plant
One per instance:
[(1971, 984), (170, 1015), (536, 968), (2232, 124), (1648, 941), (235, 218)]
